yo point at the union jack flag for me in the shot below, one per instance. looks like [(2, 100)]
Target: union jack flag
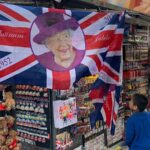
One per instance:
[(101, 41), (105, 92)]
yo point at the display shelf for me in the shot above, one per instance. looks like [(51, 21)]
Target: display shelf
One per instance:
[(134, 74), (76, 139), (77, 142), (95, 143), (94, 133), (66, 135), (81, 133), (136, 87), (32, 115), (94, 138), (135, 79), (8, 135), (136, 65)]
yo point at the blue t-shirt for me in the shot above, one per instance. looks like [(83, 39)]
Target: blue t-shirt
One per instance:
[(138, 131)]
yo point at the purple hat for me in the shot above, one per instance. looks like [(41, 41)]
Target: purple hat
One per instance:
[(50, 24)]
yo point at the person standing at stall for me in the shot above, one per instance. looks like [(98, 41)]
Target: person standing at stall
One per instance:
[(137, 134)]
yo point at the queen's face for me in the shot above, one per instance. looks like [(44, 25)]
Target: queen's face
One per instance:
[(61, 46)]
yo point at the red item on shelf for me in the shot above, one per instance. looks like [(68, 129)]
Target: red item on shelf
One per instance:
[(2, 107), (13, 144)]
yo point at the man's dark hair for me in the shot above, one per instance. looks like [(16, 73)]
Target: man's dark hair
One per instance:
[(140, 101)]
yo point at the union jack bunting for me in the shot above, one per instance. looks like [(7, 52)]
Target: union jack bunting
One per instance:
[(98, 36)]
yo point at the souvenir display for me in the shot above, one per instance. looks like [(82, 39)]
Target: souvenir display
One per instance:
[(96, 143), (65, 117), (65, 112), (9, 101), (32, 115), (85, 107), (136, 65), (80, 132), (72, 108), (9, 139), (8, 136), (63, 141)]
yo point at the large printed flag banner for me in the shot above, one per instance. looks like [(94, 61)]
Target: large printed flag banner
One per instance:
[(55, 48)]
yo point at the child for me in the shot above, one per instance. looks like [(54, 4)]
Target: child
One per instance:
[(138, 125)]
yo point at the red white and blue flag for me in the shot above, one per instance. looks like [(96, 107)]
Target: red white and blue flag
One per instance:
[(105, 92), (101, 41)]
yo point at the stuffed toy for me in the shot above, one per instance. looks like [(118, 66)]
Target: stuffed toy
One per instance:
[(13, 133), (8, 136), (3, 126), (4, 131), (2, 140), (3, 122), (11, 143), (10, 121), (4, 147), (9, 101)]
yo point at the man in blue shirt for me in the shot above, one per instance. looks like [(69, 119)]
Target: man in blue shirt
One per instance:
[(138, 125)]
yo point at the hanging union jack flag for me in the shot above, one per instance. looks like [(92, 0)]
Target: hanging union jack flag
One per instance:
[(105, 92), (55, 48)]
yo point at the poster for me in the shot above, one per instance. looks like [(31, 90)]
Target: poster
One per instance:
[(65, 112)]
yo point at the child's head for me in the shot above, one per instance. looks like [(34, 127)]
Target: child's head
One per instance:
[(138, 103)]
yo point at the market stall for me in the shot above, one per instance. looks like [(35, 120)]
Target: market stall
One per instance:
[(53, 107)]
